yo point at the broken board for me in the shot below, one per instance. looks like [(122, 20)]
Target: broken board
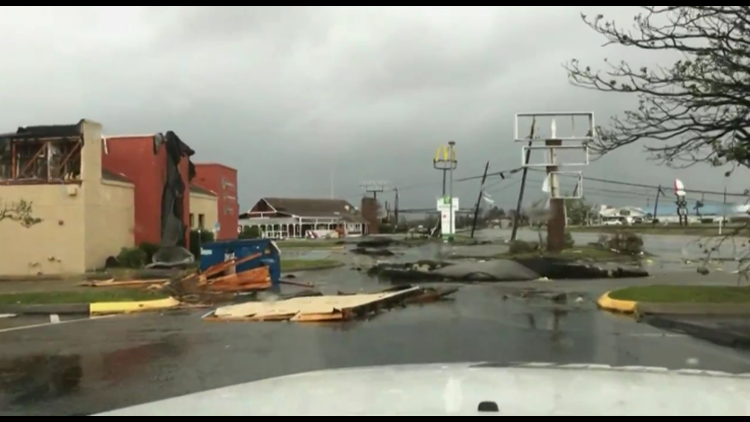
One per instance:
[(312, 309)]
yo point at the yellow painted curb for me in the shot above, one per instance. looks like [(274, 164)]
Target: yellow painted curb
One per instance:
[(614, 305), (108, 308)]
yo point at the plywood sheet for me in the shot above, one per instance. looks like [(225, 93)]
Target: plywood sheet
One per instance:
[(308, 308)]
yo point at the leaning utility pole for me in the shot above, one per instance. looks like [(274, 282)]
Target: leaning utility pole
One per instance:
[(519, 204), (479, 199)]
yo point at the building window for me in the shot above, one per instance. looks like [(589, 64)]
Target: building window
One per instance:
[(201, 221), (228, 211), (192, 220)]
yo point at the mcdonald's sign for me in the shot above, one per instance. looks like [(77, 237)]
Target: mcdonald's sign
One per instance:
[(445, 154)]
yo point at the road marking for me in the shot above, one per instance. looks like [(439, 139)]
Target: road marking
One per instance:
[(651, 335), (46, 324)]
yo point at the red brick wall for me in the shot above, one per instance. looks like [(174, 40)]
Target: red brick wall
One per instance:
[(134, 157), (222, 180)]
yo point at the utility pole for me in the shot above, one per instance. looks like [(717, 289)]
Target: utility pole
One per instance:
[(395, 213), (656, 205), (517, 215), (479, 199), (723, 212)]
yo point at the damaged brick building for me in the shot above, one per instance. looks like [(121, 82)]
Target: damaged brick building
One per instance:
[(93, 195)]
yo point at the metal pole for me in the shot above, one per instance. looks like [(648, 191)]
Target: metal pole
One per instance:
[(517, 216), (724, 212), (445, 174), (556, 222), (656, 205), (396, 211), (479, 200), (451, 229)]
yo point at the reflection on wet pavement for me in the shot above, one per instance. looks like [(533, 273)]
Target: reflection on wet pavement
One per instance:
[(28, 379)]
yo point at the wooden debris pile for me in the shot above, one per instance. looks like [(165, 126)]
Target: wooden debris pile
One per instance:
[(216, 283)]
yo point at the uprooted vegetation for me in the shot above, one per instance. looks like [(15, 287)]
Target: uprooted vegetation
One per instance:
[(608, 247), (526, 268)]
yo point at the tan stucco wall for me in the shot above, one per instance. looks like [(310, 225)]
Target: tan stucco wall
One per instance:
[(206, 205), (115, 216), (53, 246), (91, 173), (81, 224)]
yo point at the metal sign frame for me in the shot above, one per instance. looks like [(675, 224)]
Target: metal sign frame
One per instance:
[(555, 115), (546, 148), (578, 175)]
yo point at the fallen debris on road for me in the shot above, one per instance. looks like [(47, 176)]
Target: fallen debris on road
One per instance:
[(317, 308), (501, 270), (126, 283)]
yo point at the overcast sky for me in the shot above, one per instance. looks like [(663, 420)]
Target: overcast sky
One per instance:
[(285, 95)]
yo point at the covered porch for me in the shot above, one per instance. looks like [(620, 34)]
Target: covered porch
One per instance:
[(295, 227)]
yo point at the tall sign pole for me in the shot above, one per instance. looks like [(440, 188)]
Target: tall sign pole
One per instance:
[(445, 161), (551, 143)]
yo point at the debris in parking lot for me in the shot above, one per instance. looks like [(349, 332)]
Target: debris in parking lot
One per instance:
[(7, 316), (126, 283), (318, 308), (372, 252), (221, 279), (500, 270)]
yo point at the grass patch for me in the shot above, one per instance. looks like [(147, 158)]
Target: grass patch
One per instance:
[(309, 264), (318, 243), (84, 295), (684, 294), (590, 253)]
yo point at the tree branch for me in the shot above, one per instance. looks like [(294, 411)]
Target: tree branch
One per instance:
[(697, 108)]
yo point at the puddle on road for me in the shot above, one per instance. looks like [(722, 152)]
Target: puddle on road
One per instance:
[(27, 380)]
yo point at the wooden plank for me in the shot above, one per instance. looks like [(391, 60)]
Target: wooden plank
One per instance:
[(304, 309)]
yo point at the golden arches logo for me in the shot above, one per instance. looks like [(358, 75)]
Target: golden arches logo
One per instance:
[(446, 154)]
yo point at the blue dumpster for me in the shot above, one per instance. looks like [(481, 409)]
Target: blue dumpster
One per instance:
[(218, 252)]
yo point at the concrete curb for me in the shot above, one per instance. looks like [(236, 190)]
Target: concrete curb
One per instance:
[(98, 308), (111, 308), (619, 306), (721, 338), (646, 308)]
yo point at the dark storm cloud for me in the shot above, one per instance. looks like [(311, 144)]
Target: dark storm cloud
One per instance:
[(288, 94)]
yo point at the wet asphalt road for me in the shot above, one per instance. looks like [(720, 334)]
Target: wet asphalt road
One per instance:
[(85, 367)]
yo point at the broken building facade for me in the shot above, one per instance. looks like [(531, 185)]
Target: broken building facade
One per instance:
[(93, 195)]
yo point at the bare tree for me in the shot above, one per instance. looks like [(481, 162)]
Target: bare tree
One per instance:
[(20, 212), (697, 108)]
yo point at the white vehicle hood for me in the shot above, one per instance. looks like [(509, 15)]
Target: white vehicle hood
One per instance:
[(458, 389)]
